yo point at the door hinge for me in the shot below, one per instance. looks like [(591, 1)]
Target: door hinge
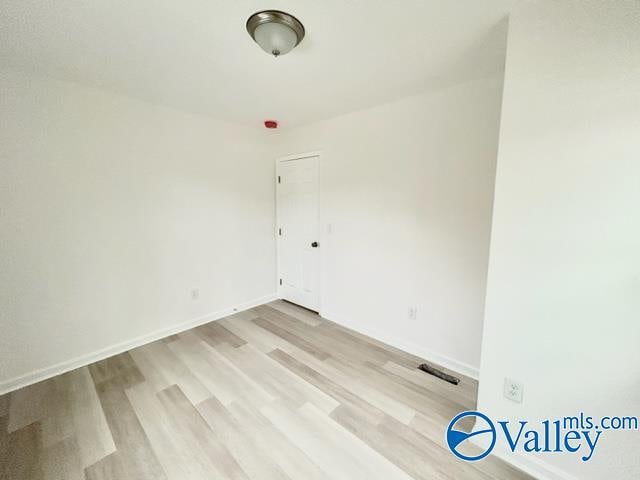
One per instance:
[(278, 178), (280, 281), (280, 231)]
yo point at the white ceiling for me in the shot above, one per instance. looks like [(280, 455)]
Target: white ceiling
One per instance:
[(196, 54)]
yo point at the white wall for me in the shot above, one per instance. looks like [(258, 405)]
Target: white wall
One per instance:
[(112, 211), (407, 188), (563, 298)]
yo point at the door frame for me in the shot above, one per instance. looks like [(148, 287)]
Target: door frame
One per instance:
[(278, 162)]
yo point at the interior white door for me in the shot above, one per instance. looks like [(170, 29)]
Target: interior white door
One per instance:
[(298, 243)]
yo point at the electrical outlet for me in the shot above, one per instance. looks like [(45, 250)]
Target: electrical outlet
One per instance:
[(195, 294), (513, 390), (413, 313)]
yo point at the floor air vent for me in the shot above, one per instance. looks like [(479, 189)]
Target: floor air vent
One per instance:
[(438, 373)]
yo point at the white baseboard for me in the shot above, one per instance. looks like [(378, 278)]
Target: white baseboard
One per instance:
[(86, 359), (532, 465), (409, 347)]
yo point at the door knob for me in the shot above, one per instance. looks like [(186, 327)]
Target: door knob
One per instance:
[(314, 244)]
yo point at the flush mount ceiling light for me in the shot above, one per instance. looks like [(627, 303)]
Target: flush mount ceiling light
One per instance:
[(276, 32)]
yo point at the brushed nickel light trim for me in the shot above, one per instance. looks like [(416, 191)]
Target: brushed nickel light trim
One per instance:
[(275, 16)]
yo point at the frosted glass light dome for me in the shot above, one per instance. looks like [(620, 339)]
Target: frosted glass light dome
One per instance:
[(275, 38), (277, 33)]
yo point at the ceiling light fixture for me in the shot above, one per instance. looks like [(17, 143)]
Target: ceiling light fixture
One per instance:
[(276, 32)]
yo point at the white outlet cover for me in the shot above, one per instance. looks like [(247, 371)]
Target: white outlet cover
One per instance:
[(513, 390)]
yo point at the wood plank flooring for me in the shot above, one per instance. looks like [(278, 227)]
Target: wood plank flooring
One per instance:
[(275, 392)]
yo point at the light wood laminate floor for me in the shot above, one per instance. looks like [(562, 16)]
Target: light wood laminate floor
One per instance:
[(275, 392)]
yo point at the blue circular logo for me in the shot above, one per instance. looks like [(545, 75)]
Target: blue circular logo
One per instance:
[(456, 437)]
